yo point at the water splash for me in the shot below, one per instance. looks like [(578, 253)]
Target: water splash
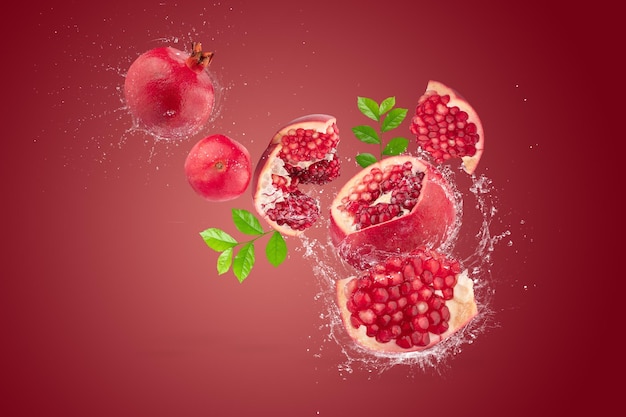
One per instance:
[(472, 241)]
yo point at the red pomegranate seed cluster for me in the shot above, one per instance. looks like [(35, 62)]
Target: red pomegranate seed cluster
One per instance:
[(400, 181), (297, 210), (320, 172), (444, 131), (404, 299), (300, 145)]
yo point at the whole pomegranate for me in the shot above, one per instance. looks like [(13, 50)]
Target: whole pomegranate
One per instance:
[(218, 168), (169, 92), (302, 152), (391, 207), (406, 303), (446, 126)]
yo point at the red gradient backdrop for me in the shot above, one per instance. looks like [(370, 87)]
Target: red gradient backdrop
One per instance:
[(110, 304)]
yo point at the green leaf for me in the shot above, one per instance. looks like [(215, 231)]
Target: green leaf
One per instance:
[(244, 261), (396, 146), (393, 119), (246, 222), (366, 134), (368, 107), (386, 105), (276, 249), (224, 261), (217, 239), (365, 159)]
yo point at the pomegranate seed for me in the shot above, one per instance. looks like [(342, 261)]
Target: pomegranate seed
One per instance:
[(450, 280), (416, 284), (372, 330), (368, 316), (404, 342), (420, 322), (392, 306), (439, 328), (408, 272), (425, 292), (438, 283), (394, 292), (361, 299), (436, 302), (384, 336), (411, 310), (397, 317), (395, 331), (445, 313), (384, 320), (379, 308), (434, 317), (420, 338), (406, 288), (380, 295)]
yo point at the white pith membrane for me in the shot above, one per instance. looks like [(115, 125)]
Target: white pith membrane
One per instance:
[(405, 319), (268, 195)]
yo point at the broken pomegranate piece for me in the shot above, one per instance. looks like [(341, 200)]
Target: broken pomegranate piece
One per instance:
[(446, 126), (407, 303), (302, 152), (391, 207)]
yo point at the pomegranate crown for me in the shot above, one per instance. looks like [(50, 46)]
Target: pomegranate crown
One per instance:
[(199, 60)]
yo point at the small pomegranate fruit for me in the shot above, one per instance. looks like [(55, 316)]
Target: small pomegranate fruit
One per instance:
[(406, 303), (446, 126), (302, 152), (218, 168), (169, 92), (391, 207)]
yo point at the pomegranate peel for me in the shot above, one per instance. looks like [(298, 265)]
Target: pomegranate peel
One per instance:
[(447, 126), (218, 168), (393, 308), (301, 152), (417, 208), (169, 93)]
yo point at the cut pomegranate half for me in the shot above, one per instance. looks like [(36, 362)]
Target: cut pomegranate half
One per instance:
[(391, 207), (447, 126), (302, 152), (407, 303)]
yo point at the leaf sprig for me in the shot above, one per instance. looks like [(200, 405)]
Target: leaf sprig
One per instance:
[(388, 117), (243, 261)]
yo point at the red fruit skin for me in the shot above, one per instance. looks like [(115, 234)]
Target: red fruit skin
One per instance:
[(166, 96), (319, 122), (469, 162), (218, 168), (429, 223)]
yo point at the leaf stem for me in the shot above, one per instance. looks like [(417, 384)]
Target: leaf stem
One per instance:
[(254, 239)]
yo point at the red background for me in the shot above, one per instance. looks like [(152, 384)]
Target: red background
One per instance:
[(109, 300)]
